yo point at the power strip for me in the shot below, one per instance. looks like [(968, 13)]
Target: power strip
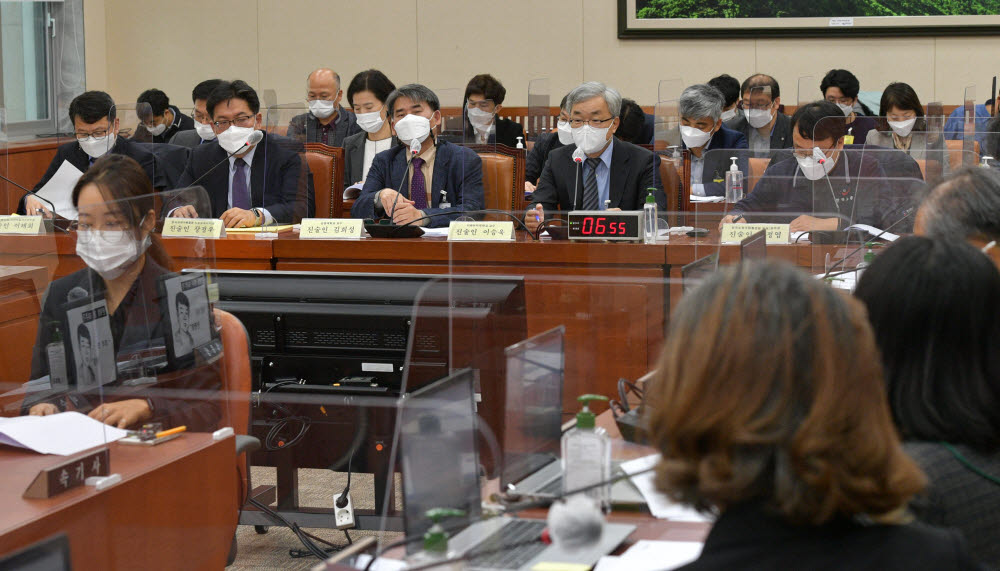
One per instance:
[(343, 515)]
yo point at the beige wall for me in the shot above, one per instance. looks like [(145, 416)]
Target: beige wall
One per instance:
[(136, 44)]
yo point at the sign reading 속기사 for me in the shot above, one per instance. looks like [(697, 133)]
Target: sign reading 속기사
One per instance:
[(332, 228), (481, 231), (193, 228), (775, 233)]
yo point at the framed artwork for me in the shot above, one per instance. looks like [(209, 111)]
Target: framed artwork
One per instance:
[(796, 19)]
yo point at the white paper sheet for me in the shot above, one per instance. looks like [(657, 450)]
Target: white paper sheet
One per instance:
[(648, 555), (659, 505), (696, 198), (59, 190), (889, 236), (65, 434), (432, 232)]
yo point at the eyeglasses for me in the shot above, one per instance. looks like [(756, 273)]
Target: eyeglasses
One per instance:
[(841, 100), (755, 106), (484, 105), (110, 232), (98, 134), (241, 121), (595, 123)]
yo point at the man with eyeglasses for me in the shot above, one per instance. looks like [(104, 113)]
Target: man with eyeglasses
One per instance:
[(612, 175), (841, 88), (766, 129), (95, 127), (265, 183), (822, 186), (423, 181), (202, 131), (327, 121), (709, 142)]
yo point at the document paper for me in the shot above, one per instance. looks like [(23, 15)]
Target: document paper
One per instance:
[(59, 190), (65, 434), (659, 505)]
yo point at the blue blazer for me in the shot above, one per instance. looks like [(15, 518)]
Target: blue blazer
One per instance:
[(717, 162), (457, 170)]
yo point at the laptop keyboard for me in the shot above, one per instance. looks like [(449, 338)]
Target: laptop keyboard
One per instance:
[(553, 488), (516, 532)]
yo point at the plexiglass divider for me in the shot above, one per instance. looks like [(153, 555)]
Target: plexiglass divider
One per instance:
[(540, 119)]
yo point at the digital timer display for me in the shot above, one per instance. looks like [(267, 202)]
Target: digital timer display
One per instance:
[(603, 225)]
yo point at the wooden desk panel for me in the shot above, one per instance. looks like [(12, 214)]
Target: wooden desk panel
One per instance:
[(175, 509), (23, 162)]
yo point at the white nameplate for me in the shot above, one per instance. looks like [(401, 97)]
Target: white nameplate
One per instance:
[(775, 233), (11, 224), (193, 228), (481, 231), (335, 228)]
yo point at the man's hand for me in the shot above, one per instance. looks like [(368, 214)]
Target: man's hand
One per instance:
[(186, 211), (239, 218), (732, 219), (613, 210), (406, 213), (123, 413), (43, 409), (806, 223), (388, 198), (528, 187), (34, 207), (533, 218)]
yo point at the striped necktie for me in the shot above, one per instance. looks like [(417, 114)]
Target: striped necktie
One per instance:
[(591, 197)]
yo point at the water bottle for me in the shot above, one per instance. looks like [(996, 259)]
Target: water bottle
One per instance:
[(649, 218), (734, 183)]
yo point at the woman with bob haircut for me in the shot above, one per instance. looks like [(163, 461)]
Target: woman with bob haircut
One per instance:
[(769, 411), (935, 308)]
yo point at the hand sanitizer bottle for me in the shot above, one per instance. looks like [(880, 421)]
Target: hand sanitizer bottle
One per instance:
[(649, 218), (436, 543), (734, 183), (586, 454)]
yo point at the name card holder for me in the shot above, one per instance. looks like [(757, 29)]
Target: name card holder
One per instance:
[(481, 231), (193, 228), (26, 225), (68, 474), (774, 233), (332, 228)]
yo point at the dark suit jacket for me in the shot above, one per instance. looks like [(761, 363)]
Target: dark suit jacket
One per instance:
[(74, 154), (724, 144), (305, 128), (632, 170), (781, 134), (187, 139), (539, 153), (457, 170), (280, 180), (354, 156), (747, 537), (181, 123), (506, 133)]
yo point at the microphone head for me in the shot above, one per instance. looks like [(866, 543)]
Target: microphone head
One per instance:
[(819, 155), (578, 155), (575, 522), (414, 147), (76, 293), (255, 137)]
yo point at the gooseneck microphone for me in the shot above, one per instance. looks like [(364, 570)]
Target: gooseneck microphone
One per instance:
[(254, 138), (841, 261), (414, 151), (27, 192), (578, 157)]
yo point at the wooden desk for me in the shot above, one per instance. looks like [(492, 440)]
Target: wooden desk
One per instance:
[(24, 162), (176, 507)]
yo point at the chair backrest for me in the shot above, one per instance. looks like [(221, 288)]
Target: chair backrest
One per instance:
[(503, 176), (327, 166), (955, 152), (236, 384), (671, 181), (922, 163), (757, 168)]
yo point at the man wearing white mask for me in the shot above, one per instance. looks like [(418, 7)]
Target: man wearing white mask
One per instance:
[(823, 186), (421, 181), (766, 129), (166, 120), (202, 132), (710, 143), (326, 122), (95, 127), (606, 173), (546, 143), (841, 88), (261, 183), (484, 97)]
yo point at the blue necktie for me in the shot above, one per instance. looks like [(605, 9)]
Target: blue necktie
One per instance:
[(241, 193)]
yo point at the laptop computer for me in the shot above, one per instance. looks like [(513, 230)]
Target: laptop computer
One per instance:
[(692, 274), (754, 247), (440, 468)]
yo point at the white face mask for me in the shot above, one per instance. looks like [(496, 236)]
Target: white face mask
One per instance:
[(97, 147), (110, 252), (694, 137), (590, 140), (902, 128), (234, 138), (321, 108), (758, 117), (728, 115), (846, 109), (811, 167), (481, 120), (157, 130), (413, 128), (565, 132), (204, 131), (370, 122)]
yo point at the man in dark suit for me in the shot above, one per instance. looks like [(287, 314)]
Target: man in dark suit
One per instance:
[(326, 122), (266, 183), (166, 119), (766, 129), (202, 131), (421, 181), (613, 174), (96, 128), (484, 97), (711, 144)]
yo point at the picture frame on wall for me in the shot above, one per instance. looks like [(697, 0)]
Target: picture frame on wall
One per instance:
[(708, 19)]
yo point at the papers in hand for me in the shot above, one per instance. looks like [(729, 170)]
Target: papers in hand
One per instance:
[(65, 434), (659, 505), (354, 191), (59, 190), (873, 231)]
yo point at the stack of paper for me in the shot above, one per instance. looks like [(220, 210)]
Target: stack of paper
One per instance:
[(652, 556), (66, 433), (659, 505), (59, 190)]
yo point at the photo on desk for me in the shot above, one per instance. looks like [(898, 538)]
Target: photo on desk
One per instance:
[(189, 316), (88, 329)]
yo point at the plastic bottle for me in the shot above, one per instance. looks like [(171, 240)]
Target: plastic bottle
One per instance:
[(520, 143), (435, 546), (586, 454), (734, 183), (649, 218), (985, 162), (55, 352), (868, 259)]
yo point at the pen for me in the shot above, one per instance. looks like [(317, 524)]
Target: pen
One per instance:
[(171, 432)]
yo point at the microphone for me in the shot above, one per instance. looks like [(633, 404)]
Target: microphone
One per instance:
[(862, 246), (414, 151), (578, 157), (254, 138), (26, 192)]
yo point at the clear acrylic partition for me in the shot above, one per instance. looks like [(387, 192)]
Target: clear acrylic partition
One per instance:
[(289, 196), (969, 125), (454, 127), (666, 126), (757, 105), (496, 177), (290, 120), (269, 97), (132, 121), (807, 90), (669, 89), (11, 194), (540, 119), (480, 121), (937, 158)]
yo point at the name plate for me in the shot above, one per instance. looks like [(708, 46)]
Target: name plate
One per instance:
[(10, 224), (68, 474), (335, 228), (481, 231), (193, 228), (775, 233)]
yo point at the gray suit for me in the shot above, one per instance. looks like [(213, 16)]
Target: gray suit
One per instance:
[(918, 150), (188, 138), (354, 157)]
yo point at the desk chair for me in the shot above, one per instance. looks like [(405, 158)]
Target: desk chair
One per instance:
[(503, 177), (955, 153), (672, 186), (327, 166), (757, 168)]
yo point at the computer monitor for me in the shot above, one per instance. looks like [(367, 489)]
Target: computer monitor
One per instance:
[(532, 427), (754, 247), (692, 274), (51, 554)]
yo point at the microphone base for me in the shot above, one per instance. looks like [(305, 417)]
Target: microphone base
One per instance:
[(380, 230)]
